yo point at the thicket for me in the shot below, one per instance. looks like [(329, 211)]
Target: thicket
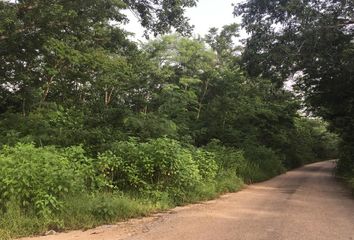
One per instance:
[(94, 128), (49, 188), (64, 188)]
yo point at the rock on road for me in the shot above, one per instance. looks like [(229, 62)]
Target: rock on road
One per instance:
[(307, 203)]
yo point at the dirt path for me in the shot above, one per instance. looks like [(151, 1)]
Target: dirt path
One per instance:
[(303, 204)]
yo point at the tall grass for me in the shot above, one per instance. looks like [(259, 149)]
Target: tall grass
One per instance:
[(86, 211)]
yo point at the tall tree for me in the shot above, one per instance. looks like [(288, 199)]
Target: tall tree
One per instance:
[(312, 41), (63, 49), (223, 42)]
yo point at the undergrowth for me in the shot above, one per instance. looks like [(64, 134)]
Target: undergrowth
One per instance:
[(48, 188)]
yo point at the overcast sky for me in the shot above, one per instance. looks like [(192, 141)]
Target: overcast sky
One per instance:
[(207, 14), (211, 13)]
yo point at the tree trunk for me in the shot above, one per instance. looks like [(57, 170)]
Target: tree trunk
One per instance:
[(200, 104)]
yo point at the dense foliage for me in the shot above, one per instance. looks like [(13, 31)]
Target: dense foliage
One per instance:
[(37, 178), (317, 38), (88, 116)]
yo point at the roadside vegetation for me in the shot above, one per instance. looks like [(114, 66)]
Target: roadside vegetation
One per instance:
[(95, 128), (56, 188), (318, 42)]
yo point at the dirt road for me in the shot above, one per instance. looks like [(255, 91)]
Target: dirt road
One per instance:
[(305, 204)]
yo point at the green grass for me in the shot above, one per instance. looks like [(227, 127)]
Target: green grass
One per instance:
[(90, 210), (80, 212)]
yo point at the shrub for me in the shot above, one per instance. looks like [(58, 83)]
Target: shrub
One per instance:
[(161, 164), (345, 165), (47, 125), (264, 162), (228, 159), (228, 181), (37, 178), (84, 165), (253, 164), (206, 164)]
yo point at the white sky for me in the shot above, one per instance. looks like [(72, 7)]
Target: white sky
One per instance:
[(211, 13), (207, 14)]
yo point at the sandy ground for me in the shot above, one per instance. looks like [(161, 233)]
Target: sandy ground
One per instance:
[(307, 203)]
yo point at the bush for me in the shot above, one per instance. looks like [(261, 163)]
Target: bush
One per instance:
[(48, 188), (228, 181), (206, 164), (229, 160), (37, 178), (345, 165), (252, 165), (264, 162), (47, 125), (161, 164)]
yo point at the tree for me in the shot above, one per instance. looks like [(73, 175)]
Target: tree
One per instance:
[(311, 41), (158, 16), (223, 42), (62, 49), (189, 69)]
